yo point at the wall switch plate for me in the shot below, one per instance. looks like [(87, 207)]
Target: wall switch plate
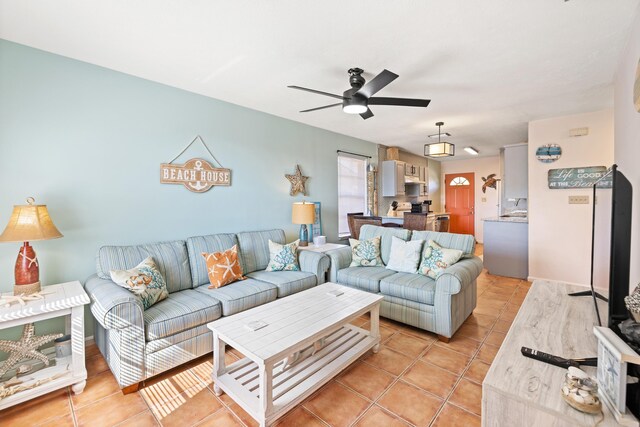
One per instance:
[(578, 200)]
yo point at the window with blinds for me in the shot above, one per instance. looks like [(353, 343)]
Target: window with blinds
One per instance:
[(352, 189)]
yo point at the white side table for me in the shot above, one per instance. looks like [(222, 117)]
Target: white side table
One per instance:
[(322, 248), (65, 299)]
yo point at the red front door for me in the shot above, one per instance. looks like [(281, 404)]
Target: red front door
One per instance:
[(460, 202)]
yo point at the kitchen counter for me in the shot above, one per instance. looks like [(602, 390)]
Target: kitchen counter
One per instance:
[(519, 219)]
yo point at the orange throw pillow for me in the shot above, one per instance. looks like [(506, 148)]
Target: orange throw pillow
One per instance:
[(223, 267)]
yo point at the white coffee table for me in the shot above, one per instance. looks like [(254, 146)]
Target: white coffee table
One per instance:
[(260, 383)]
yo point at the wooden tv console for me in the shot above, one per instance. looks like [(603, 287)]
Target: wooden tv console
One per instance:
[(525, 392)]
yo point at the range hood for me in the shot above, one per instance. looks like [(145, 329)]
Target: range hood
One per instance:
[(412, 180)]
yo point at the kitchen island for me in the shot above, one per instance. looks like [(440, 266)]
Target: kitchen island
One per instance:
[(506, 246)]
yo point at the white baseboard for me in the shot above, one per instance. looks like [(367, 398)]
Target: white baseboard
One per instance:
[(532, 278)]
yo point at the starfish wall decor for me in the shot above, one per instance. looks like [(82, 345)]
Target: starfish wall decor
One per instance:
[(297, 182), (25, 348)]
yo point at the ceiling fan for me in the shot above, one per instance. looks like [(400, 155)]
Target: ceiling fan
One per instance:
[(358, 99)]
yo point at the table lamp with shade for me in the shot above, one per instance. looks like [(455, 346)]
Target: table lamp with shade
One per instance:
[(303, 213), (28, 223)]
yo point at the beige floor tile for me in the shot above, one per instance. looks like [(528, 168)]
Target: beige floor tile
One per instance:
[(495, 338), (299, 417), (91, 350), (240, 413), (324, 405), (389, 360), (188, 408), (481, 320), (447, 359), (487, 353), (508, 316), (111, 410), (502, 326), (169, 385), (66, 421), (490, 295), (143, 419), (477, 371), (451, 416), (460, 344), (472, 331), (468, 395), (431, 378), (377, 417), (98, 386), (408, 344), (221, 418), (365, 379), (410, 403), (385, 331), (96, 365), (39, 410)]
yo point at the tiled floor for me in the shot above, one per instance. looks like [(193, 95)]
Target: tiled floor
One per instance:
[(413, 380)]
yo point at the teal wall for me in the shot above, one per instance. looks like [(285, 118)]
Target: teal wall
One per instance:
[(88, 142)]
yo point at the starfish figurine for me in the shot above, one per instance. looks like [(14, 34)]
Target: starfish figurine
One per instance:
[(21, 299), (25, 348), (297, 182)]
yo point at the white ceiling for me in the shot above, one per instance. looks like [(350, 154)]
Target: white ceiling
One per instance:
[(489, 66)]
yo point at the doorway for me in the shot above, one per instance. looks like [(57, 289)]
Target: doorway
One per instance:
[(460, 202)]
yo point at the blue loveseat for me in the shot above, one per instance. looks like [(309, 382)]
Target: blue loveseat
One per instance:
[(138, 344), (439, 306)]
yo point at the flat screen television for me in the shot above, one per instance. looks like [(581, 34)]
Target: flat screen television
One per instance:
[(611, 243)]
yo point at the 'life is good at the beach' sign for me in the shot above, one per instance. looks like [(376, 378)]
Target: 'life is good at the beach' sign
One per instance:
[(575, 177)]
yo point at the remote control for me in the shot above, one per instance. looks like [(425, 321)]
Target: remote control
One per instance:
[(548, 358)]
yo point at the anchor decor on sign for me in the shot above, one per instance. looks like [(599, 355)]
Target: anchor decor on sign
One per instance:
[(197, 175)]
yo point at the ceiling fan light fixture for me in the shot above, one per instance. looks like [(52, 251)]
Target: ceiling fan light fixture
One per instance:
[(440, 148), (354, 109), (471, 151)]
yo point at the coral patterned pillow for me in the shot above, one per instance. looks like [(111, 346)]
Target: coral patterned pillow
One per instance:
[(144, 281), (436, 259), (366, 253), (283, 257), (223, 267)]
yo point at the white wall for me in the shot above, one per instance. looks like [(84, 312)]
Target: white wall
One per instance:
[(627, 136), (559, 233), (486, 203)]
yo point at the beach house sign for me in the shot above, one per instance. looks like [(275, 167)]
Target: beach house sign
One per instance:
[(196, 175)]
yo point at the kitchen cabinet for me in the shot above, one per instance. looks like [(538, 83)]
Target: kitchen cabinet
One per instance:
[(515, 179), (411, 170), (393, 172), (424, 179)]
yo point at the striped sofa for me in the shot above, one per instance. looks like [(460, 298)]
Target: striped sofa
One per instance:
[(438, 306), (138, 344)]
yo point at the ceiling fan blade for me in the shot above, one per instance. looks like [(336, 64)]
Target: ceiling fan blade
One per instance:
[(317, 91), (367, 114), (377, 83), (405, 102), (321, 108)]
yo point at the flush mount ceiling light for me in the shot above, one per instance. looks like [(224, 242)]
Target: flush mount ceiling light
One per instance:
[(440, 148), (471, 151)]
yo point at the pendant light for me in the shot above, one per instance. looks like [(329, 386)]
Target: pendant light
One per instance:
[(440, 148)]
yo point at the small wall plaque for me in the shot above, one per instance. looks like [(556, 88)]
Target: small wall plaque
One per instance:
[(575, 177), (196, 175)]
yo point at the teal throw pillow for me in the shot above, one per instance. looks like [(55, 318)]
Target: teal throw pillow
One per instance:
[(144, 280), (283, 257), (435, 259), (365, 253)]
